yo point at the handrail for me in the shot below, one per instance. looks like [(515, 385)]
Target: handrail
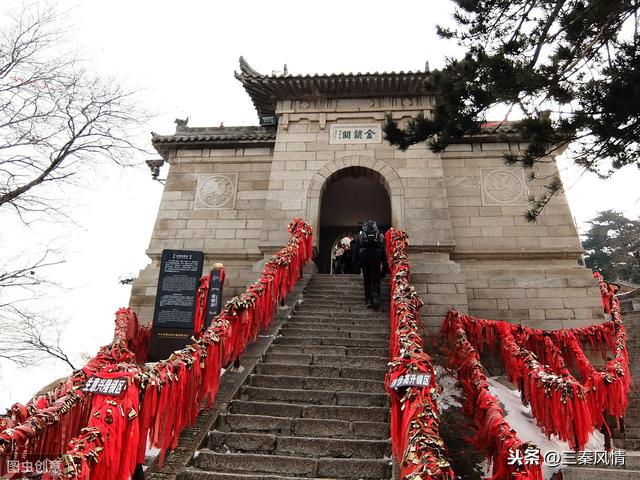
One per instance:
[(410, 381), (494, 436), (161, 399)]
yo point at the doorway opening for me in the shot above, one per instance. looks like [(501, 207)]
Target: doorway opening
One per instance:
[(349, 197)]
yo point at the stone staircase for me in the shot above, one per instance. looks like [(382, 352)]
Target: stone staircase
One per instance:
[(630, 470), (315, 405)]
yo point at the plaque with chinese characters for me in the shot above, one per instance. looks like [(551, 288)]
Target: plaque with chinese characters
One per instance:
[(353, 134), (177, 288), (412, 380), (176, 297), (214, 301), (105, 386)]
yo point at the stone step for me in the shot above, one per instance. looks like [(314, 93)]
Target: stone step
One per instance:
[(631, 462), (631, 432), (300, 466), (331, 305), (336, 350), (316, 383), (355, 280), (323, 299), (364, 361), (627, 443), (296, 446), (327, 277), (339, 295), (341, 291), (315, 406), (305, 427), (591, 473), (355, 297), (321, 397), (286, 409), (318, 294), (353, 285), (376, 320), (367, 316), (356, 311), (294, 331), (320, 371), (301, 324), (195, 474), (356, 287), (333, 341)]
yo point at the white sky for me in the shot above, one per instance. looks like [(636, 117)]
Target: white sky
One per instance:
[(182, 56)]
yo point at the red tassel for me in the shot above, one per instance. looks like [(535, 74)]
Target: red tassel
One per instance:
[(495, 436), (414, 427)]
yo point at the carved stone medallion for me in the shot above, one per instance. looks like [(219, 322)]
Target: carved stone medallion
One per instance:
[(503, 186), (216, 191)]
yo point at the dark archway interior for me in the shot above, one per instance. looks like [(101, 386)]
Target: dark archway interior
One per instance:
[(348, 197)]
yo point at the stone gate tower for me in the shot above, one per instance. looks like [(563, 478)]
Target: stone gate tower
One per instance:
[(319, 153)]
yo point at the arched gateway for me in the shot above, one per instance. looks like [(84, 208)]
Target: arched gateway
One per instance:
[(356, 188), (319, 153)]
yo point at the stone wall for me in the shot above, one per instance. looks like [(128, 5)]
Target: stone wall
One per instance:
[(487, 201), (213, 201), (630, 306), (515, 270), (463, 210), (304, 159)]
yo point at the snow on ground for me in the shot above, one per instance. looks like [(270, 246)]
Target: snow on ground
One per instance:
[(518, 416), (521, 420)]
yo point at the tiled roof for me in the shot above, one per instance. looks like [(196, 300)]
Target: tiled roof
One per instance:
[(266, 90), (207, 134), (499, 127)]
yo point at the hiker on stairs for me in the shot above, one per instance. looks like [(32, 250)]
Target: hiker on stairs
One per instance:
[(370, 256)]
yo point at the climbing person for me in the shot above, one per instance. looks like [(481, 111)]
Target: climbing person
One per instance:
[(370, 256), (339, 260)]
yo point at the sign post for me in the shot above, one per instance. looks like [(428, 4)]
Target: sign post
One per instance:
[(214, 299), (173, 317)]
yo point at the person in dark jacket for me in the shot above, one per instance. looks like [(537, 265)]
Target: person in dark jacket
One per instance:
[(370, 256)]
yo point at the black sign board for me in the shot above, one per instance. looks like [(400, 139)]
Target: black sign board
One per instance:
[(105, 386), (214, 301), (180, 271), (176, 297), (412, 380)]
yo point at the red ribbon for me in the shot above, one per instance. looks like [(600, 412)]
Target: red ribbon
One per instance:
[(162, 398), (415, 437)]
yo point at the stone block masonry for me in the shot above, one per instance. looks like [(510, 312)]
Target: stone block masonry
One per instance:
[(231, 191)]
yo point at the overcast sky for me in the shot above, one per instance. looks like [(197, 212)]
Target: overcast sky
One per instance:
[(181, 57)]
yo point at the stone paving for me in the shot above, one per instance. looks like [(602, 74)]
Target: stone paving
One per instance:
[(315, 406)]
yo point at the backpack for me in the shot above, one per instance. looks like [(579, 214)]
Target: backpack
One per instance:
[(370, 235)]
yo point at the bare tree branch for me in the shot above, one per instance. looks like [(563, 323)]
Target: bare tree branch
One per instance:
[(55, 117), (56, 121), (28, 339)]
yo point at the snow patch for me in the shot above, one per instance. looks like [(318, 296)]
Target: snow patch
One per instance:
[(518, 415), (523, 422)]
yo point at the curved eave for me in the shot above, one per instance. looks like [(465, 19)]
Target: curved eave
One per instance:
[(265, 91), (502, 137)]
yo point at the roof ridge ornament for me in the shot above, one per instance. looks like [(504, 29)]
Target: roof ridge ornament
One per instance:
[(181, 124), (245, 69)]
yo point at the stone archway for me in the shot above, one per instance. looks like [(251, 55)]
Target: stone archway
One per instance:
[(388, 178), (344, 193)]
